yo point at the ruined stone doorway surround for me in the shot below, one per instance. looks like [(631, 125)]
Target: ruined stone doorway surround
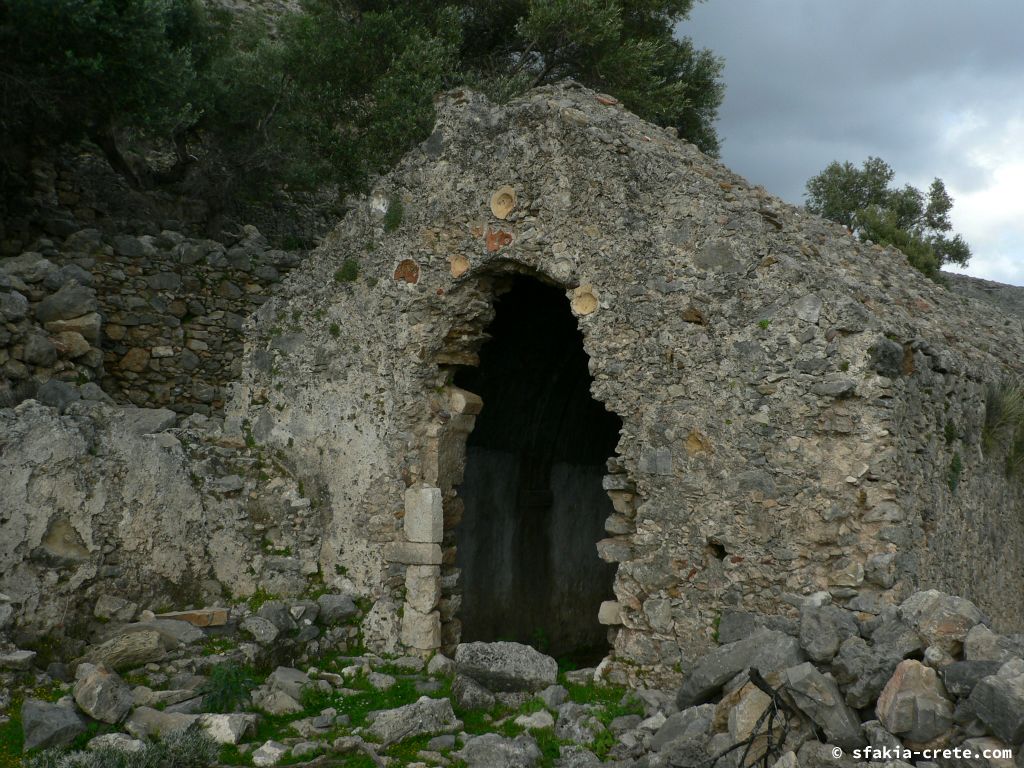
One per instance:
[(433, 510)]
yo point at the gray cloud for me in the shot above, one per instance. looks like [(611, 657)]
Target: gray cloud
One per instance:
[(931, 86)]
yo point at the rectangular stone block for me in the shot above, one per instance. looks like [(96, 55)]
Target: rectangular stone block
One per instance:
[(202, 617), (423, 587), (614, 550), (610, 613), (421, 630), (412, 553), (462, 401), (424, 518)]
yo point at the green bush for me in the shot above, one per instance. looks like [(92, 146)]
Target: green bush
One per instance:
[(228, 687), (191, 748), (1004, 413), (104, 70), (348, 272)]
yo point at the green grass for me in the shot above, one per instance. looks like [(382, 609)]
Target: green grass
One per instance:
[(348, 272), (215, 646), (394, 215), (405, 751), (228, 687), (11, 738), (260, 596)]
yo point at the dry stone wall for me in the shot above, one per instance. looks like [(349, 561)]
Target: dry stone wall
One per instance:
[(155, 319)]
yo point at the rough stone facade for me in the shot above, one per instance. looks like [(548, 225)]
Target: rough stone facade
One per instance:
[(800, 412)]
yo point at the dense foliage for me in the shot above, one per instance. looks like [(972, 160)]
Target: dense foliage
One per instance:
[(866, 202), (98, 69), (329, 95)]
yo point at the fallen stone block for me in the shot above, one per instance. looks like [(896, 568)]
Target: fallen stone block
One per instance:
[(46, 724), (129, 650), (102, 694), (819, 698), (203, 617), (767, 650), (424, 717), (494, 751), (229, 728), (147, 723), (998, 701), (941, 619), (913, 705), (505, 666)]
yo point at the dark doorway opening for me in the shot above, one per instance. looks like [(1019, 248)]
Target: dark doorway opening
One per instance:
[(534, 505)]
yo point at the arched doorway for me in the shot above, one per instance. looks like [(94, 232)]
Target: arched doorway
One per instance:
[(534, 504)]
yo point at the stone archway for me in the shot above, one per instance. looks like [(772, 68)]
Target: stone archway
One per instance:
[(534, 506)]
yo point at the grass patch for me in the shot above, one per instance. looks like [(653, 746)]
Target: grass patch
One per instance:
[(615, 700), (405, 751), (215, 646), (228, 687), (348, 272), (394, 215), (260, 596), (11, 739), (1004, 414)]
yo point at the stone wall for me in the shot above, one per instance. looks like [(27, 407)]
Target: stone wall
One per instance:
[(800, 413), (784, 390), (155, 319), (107, 500), (174, 309), (1008, 298)]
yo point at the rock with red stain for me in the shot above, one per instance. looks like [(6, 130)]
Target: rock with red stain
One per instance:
[(408, 270), (497, 240)]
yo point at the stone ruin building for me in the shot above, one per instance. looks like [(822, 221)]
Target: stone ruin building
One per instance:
[(559, 379)]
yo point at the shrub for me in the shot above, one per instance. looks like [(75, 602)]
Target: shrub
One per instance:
[(395, 212), (1004, 421), (348, 272), (228, 687), (190, 748)]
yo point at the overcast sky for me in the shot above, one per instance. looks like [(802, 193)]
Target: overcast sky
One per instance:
[(933, 87)]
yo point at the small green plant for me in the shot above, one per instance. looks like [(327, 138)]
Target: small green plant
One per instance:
[(1004, 421), (539, 640), (190, 748), (393, 217), (335, 330), (215, 646), (763, 324), (259, 597), (228, 687), (956, 468), (603, 743), (348, 272), (950, 433)]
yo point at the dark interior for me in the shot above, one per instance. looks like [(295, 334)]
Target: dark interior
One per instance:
[(534, 505)]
